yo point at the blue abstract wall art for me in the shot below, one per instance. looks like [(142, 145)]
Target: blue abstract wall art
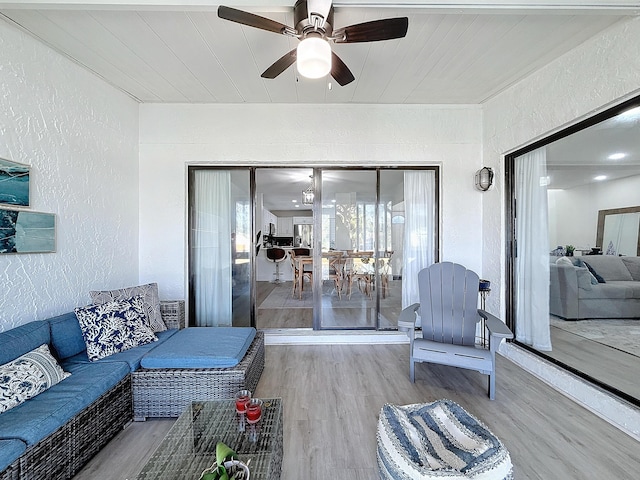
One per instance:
[(14, 183), (27, 232)]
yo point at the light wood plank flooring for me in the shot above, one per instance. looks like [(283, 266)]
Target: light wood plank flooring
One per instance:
[(334, 315), (332, 396), (614, 367)]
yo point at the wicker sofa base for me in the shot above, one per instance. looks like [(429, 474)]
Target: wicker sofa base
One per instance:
[(167, 392), (63, 453), (12, 472)]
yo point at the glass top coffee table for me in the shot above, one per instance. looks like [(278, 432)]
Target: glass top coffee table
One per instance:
[(190, 445)]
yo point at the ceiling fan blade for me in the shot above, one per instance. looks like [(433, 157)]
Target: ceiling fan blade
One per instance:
[(280, 65), (386, 29), (339, 71), (246, 18)]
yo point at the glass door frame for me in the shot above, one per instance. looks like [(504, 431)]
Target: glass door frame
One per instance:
[(252, 197), (317, 224), (511, 247)]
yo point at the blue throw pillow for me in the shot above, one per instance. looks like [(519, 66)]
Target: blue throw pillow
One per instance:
[(594, 273)]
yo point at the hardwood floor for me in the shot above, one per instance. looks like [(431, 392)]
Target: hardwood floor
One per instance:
[(332, 396), (605, 363), (357, 312)]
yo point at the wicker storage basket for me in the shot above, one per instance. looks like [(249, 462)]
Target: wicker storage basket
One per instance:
[(167, 392)]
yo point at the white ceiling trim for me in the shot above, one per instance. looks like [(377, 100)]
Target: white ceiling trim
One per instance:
[(628, 7)]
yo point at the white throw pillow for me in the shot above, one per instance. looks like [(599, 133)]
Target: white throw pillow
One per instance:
[(564, 261), (149, 293), (27, 376)]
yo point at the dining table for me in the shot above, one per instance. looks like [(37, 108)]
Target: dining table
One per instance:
[(360, 267)]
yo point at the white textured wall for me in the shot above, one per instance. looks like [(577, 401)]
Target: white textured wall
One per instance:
[(173, 135), (80, 138), (574, 211), (599, 73)]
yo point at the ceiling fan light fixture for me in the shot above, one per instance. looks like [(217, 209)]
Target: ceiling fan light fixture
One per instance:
[(314, 57)]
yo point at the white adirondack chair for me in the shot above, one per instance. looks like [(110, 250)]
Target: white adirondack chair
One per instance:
[(449, 315)]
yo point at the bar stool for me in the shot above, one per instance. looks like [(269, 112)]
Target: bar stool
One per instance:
[(276, 255)]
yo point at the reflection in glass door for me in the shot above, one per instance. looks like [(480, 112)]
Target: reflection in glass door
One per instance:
[(220, 247), (391, 223), (349, 257), (348, 249), (379, 228)]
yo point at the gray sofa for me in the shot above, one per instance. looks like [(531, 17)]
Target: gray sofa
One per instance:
[(595, 286)]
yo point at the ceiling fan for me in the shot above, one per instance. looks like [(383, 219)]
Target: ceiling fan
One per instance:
[(314, 28)]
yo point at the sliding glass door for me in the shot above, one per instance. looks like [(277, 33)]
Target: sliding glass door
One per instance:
[(347, 249), (322, 248), (379, 229), (220, 247)]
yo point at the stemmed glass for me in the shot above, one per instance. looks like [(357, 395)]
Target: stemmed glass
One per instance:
[(254, 410), (243, 397), (254, 414)]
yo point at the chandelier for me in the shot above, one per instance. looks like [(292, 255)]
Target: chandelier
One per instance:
[(308, 194)]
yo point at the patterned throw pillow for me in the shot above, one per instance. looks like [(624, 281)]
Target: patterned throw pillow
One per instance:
[(148, 292), (114, 327), (27, 376)]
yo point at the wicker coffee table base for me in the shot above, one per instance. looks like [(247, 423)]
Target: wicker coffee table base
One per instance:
[(167, 392)]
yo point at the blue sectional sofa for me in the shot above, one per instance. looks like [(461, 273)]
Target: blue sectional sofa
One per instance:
[(52, 435)]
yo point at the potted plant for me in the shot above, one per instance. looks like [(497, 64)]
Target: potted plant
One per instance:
[(569, 250)]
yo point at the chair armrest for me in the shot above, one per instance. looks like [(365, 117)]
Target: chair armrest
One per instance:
[(407, 318), (172, 312), (496, 327)]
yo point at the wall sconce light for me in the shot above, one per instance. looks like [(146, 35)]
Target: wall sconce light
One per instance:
[(484, 179), (308, 193)]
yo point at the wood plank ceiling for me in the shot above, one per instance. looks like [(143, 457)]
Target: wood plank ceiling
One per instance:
[(189, 55)]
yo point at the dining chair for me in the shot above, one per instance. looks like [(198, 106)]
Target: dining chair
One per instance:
[(384, 270), (360, 269), (336, 262), (297, 272)]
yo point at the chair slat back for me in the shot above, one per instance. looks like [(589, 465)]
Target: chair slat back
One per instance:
[(448, 303)]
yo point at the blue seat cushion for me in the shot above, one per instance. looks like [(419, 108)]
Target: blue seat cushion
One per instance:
[(10, 451), (23, 339), (66, 336), (45, 413), (202, 347), (132, 357)]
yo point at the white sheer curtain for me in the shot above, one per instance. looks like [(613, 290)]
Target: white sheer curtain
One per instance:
[(211, 248), (532, 260), (419, 230)]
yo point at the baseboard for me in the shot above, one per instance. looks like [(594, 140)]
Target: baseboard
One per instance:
[(308, 336)]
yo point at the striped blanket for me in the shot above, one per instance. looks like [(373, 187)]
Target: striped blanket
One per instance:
[(438, 440)]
